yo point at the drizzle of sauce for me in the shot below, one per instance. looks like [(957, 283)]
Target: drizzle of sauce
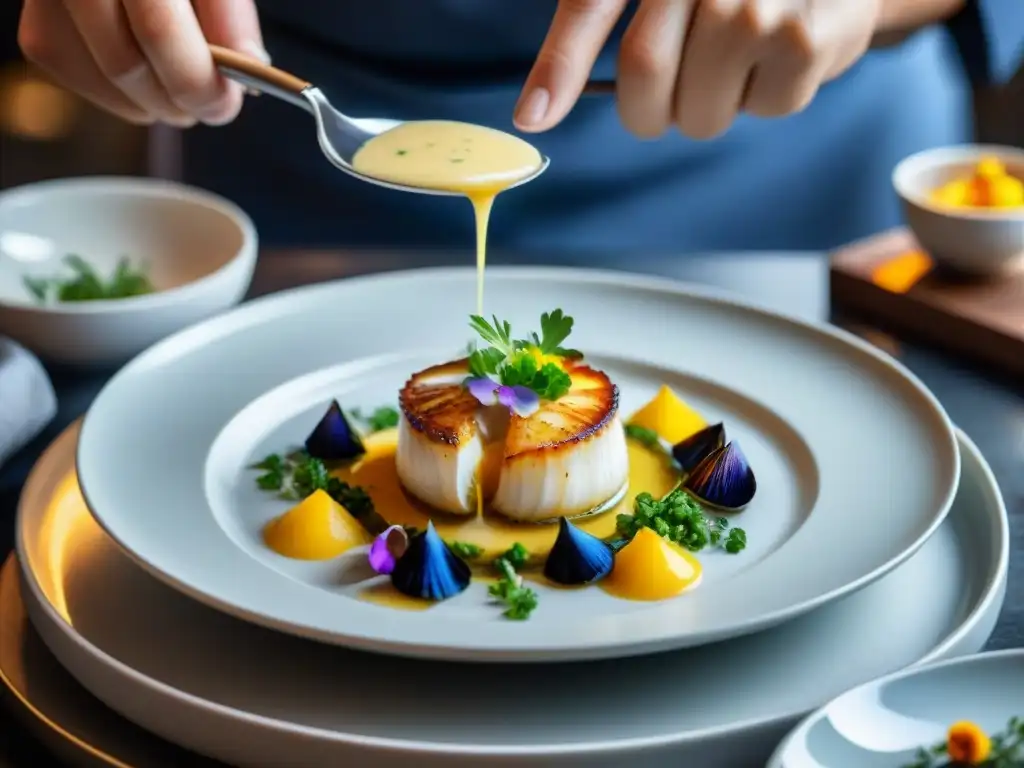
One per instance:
[(317, 528), (384, 594), (472, 160), (651, 568), (376, 473)]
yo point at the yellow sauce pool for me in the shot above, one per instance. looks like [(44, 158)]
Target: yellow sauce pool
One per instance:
[(376, 473)]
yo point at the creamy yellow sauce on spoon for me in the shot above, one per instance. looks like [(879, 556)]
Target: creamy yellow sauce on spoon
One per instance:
[(472, 160)]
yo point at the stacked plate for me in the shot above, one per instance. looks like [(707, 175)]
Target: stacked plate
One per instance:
[(165, 604)]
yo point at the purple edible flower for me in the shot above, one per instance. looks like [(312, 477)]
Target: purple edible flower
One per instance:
[(388, 548), (522, 401)]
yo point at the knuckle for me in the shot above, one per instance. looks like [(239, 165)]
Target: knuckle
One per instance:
[(35, 45), (795, 39), (641, 57), (153, 22)]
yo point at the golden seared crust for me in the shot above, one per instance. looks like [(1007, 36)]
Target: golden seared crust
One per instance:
[(582, 413), (435, 403)]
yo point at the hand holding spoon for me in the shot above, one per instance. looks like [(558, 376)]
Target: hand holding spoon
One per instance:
[(340, 136)]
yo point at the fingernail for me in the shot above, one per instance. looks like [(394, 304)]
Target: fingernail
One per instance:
[(533, 107), (254, 49)]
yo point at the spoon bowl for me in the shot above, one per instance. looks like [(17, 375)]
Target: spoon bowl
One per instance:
[(339, 135)]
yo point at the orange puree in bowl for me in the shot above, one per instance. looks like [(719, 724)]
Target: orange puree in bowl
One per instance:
[(651, 568), (990, 186)]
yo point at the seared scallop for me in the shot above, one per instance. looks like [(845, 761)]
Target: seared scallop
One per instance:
[(566, 459)]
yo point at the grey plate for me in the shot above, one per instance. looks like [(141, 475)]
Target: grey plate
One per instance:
[(254, 697), (881, 724), (841, 437)]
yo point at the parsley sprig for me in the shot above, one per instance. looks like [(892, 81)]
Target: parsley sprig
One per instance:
[(514, 362), (519, 601), (679, 518), (379, 419), (644, 436)]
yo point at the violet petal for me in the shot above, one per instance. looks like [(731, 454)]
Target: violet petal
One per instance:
[(387, 549), (526, 401), (483, 389)]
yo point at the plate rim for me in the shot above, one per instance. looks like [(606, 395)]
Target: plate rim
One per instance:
[(245, 315), (915, 670), (994, 581)]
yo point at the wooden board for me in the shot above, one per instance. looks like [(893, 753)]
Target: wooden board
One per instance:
[(890, 280)]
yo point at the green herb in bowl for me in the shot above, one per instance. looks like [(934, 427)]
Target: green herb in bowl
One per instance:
[(84, 284)]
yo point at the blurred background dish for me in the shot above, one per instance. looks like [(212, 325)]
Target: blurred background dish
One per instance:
[(964, 205), (196, 249)]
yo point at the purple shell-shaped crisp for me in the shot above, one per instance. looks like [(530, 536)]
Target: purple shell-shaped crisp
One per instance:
[(698, 446), (334, 439), (723, 479)]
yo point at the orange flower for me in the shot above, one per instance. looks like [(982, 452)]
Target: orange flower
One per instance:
[(967, 744)]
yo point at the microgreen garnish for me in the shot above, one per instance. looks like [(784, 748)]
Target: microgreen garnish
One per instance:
[(517, 556), (296, 475), (465, 550), (519, 601), (680, 518), (643, 435), (520, 363), (384, 417), (86, 285)]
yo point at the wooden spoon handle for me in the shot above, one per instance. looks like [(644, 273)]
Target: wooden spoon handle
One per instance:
[(258, 76)]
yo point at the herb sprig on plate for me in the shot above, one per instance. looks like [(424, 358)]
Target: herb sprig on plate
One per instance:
[(524, 362), (519, 601), (680, 518)]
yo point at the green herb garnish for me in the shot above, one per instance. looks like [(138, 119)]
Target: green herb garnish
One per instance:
[(401, 152), (519, 601), (517, 556), (516, 362), (297, 474), (679, 517), (86, 285), (384, 417), (643, 435), (465, 550)]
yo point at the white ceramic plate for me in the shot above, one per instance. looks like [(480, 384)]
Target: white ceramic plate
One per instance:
[(856, 462), (883, 723), (254, 697), (59, 712)]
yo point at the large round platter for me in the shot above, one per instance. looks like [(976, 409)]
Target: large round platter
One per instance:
[(253, 697), (857, 463), (885, 722)]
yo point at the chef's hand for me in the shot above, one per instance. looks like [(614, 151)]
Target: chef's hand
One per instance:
[(697, 64), (143, 60)]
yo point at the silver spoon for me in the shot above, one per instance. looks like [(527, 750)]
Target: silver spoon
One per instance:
[(339, 135)]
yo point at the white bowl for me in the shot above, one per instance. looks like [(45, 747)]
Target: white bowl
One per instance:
[(976, 241), (200, 251)]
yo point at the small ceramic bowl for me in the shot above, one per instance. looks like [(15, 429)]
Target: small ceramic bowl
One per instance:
[(199, 251), (975, 241)]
